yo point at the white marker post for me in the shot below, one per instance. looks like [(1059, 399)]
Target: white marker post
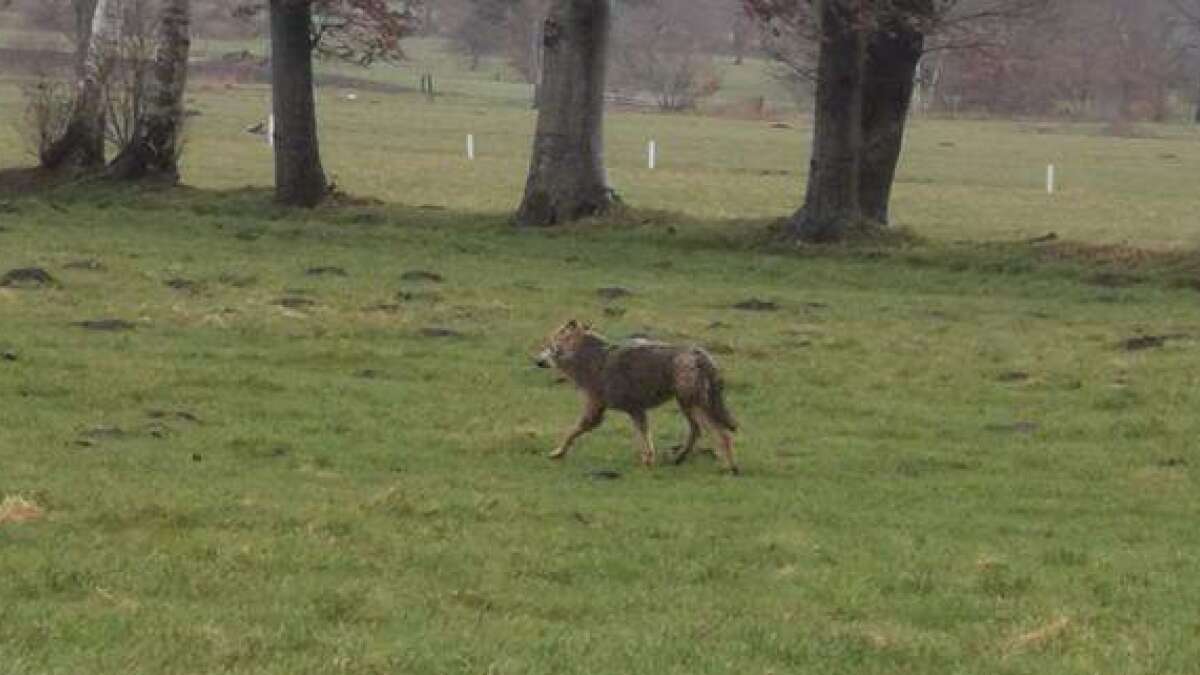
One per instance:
[(471, 147), (1050, 179), (653, 154), (271, 130)]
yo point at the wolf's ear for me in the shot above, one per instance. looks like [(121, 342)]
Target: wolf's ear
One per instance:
[(587, 325), (572, 324)]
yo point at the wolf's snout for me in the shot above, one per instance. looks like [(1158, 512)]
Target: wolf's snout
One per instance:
[(541, 362)]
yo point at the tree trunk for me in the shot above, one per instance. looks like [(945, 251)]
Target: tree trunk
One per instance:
[(566, 170), (428, 25), (893, 53), (831, 203), (741, 36), (537, 62), (299, 178), (1196, 116), (864, 91), (83, 12), (156, 143), (932, 88), (82, 144)]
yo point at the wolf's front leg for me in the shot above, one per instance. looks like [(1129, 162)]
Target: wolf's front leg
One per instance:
[(641, 426), (593, 415)]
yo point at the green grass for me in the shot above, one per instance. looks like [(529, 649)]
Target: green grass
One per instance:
[(951, 464), (321, 517)]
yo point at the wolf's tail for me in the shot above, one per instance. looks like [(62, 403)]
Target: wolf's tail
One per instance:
[(715, 391)]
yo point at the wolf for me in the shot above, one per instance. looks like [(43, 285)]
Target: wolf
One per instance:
[(636, 377)]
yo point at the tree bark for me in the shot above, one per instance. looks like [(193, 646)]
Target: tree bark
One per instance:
[(154, 150), (83, 12), (299, 178), (866, 72), (537, 62), (831, 199), (428, 20), (1196, 115), (566, 170), (893, 54), (741, 36), (82, 144)]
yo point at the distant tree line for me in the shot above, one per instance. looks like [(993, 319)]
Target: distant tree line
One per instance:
[(663, 50), (1120, 61)]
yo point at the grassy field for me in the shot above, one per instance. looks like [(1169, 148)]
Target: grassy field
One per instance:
[(967, 454)]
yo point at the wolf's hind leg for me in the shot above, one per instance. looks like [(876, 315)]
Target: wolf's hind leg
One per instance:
[(693, 433), (725, 437), (593, 415), (641, 427)]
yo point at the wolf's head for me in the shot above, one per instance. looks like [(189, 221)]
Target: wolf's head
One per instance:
[(562, 345)]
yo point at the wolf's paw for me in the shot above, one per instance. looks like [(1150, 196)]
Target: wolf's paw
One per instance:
[(557, 454)]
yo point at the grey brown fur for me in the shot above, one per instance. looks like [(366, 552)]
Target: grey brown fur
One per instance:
[(635, 378)]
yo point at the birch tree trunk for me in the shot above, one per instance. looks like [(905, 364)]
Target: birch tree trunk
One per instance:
[(299, 177), (82, 144), (154, 150), (566, 179)]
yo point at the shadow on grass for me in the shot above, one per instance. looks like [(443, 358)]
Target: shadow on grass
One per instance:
[(59, 189), (25, 181), (1111, 266), (1102, 265)]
